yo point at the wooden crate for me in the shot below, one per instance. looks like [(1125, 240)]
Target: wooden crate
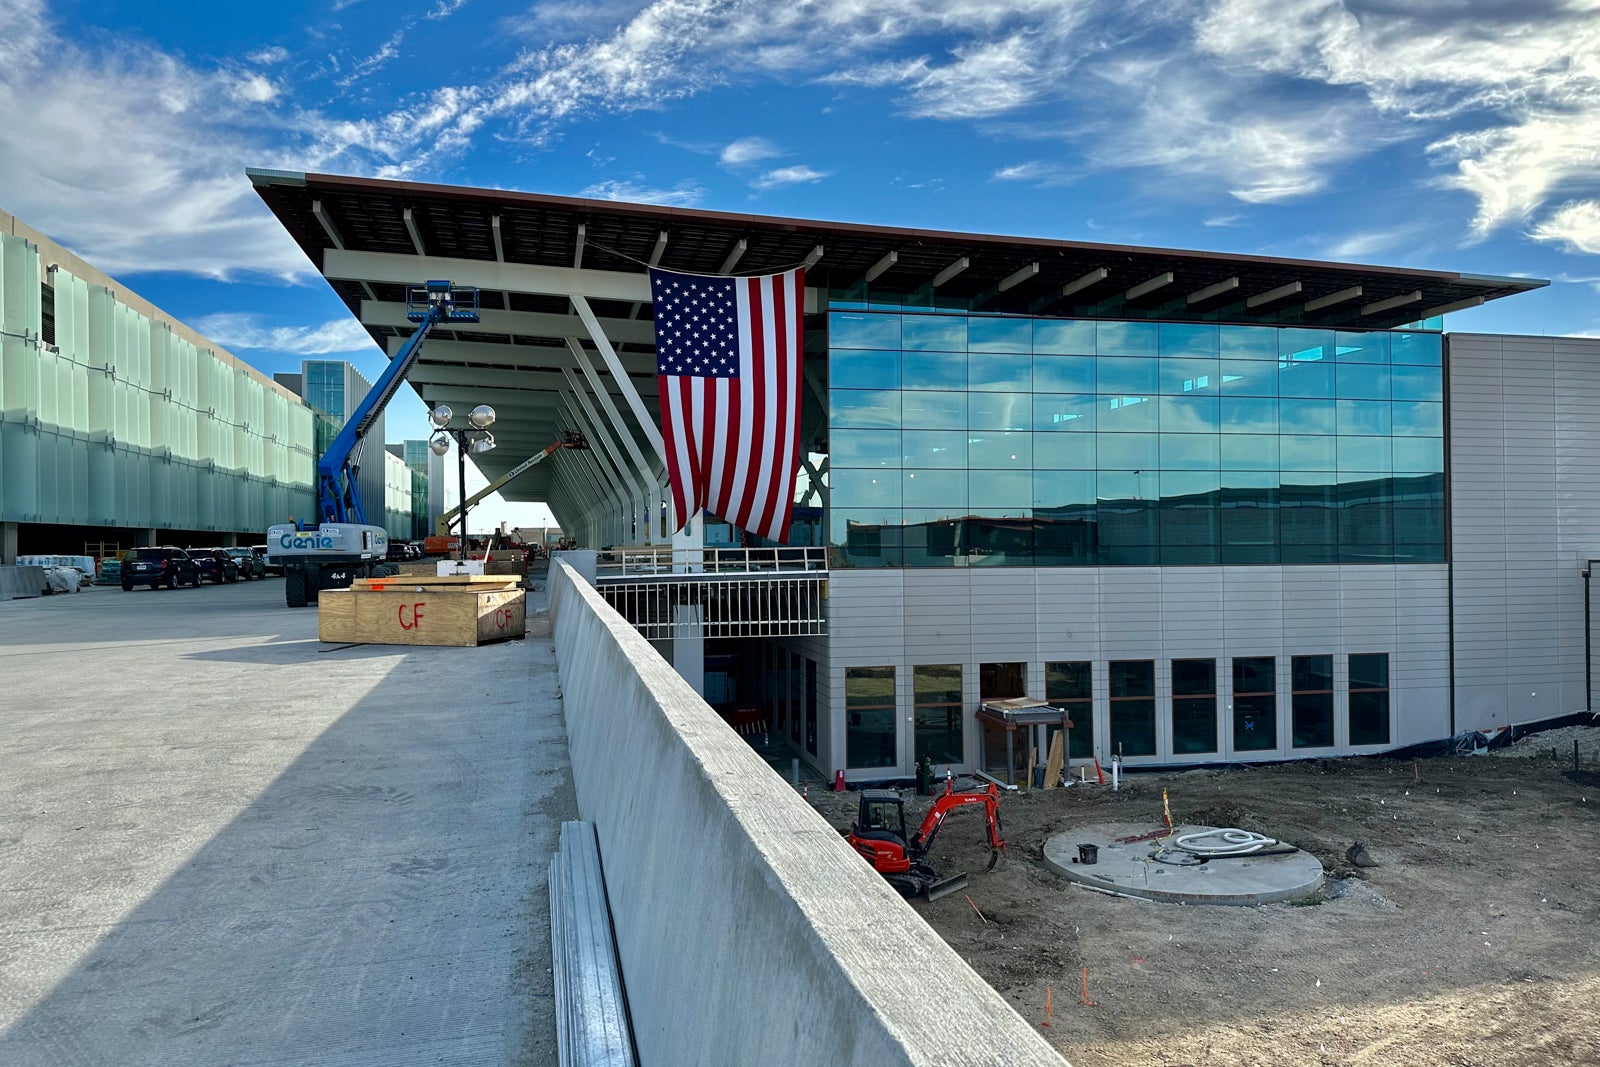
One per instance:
[(422, 610)]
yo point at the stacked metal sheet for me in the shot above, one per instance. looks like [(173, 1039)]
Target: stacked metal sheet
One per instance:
[(592, 1027)]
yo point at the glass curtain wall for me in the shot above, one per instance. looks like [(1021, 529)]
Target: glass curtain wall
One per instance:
[(963, 440)]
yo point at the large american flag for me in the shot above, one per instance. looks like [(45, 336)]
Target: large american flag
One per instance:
[(728, 368)]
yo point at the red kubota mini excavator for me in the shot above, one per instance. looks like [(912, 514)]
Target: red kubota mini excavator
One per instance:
[(880, 835)]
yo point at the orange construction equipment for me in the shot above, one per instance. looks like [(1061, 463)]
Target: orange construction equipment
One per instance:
[(880, 836)]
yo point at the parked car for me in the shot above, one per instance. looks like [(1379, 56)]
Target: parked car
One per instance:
[(166, 565), (397, 552), (260, 552), (216, 564), (251, 566)]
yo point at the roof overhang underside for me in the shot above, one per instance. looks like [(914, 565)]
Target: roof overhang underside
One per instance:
[(530, 254)]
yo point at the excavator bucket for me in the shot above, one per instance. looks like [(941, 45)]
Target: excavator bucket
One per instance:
[(945, 886)]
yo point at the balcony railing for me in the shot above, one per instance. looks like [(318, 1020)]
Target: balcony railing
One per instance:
[(646, 560)]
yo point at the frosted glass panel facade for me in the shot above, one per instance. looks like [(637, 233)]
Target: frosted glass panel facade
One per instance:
[(122, 422)]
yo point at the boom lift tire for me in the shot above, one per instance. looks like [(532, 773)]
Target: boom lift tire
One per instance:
[(294, 587)]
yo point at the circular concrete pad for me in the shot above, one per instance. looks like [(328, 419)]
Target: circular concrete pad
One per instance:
[(1132, 870)]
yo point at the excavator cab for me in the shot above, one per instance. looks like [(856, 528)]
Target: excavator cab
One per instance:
[(881, 817)]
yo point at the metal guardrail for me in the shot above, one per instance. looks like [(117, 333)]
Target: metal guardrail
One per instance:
[(646, 560), (592, 1028)]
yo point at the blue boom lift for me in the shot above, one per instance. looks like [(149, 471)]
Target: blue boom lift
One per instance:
[(343, 546)]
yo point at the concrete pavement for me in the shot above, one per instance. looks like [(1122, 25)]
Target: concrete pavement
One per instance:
[(222, 842)]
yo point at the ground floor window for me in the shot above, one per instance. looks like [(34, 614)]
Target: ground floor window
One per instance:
[(1133, 707), (1194, 706), (1070, 687), (937, 695), (1255, 704), (1369, 698), (1311, 701), (1002, 681), (869, 735)]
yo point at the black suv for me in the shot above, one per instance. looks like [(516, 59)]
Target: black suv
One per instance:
[(154, 567), (216, 564)]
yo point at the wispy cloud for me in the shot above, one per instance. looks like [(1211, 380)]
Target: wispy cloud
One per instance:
[(685, 194), (1035, 172), (249, 333), (747, 150), (774, 179), (1370, 243), (268, 56), (376, 61), (443, 9), (1222, 221), (1574, 226)]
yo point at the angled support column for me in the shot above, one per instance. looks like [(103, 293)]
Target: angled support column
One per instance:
[(636, 490), (598, 472), (649, 476), (620, 488)]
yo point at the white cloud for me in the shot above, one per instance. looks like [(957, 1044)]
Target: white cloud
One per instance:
[(1220, 221), (376, 61), (253, 89), (443, 9), (636, 192), (774, 179), (748, 150), (248, 333), (1575, 227), (1369, 243), (266, 57), (1035, 172)]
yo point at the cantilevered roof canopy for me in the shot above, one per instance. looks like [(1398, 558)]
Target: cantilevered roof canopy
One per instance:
[(531, 254)]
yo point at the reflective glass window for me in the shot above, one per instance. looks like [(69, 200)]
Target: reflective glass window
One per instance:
[(1248, 414), (1415, 418), (1063, 374), (850, 488), (1365, 454), (1189, 513), (936, 695), (1248, 378), (1308, 508), (932, 411), (1362, 347), (1249, 452), (1127, 511), (1133, 707), (944, 490), (1419, 349), (1307, 452), (933, 448), (1305, 346), (1248, 342), (1119, 374), (1255, 704), (1127, 414), (1189, 451), (869, 717), (1128, 451), (1125, 338), (864, 369), (1063, 489), (1418, 454), (1000, 492), (1000, 449), (862, 537), (1190, 414), (1064, 451), (1066, 336), (1418, 383), (1307, 416), (1070, 687), (865, 448), (1305, 379), (1368, 418), (933, 370), (1183, 375), (867, 408), (1000, 371), (860, 330), (1187, 339), (999, 335), (1248, 516), (933, 333), (1362, 381), (999, 411), (1194, 706), (1063, 411)]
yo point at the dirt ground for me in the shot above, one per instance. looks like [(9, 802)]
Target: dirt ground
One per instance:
[(1473, 942)]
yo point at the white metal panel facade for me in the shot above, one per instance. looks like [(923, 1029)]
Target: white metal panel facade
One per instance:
[(903, 618), (1525, 518)]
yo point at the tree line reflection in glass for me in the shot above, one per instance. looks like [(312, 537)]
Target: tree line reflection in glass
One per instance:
[(962, 440)]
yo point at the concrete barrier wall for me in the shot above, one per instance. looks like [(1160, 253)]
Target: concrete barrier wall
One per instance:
[(749, 931), (19, 582)]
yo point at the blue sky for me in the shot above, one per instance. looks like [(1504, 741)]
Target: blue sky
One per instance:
[(1455, 134)]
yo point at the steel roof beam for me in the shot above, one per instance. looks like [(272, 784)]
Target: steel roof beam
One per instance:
[(1016, 278), (525, 323), (950, 272), (411, 228), (1273, 295), (735, 254), (1331, 299), (1211, 292), (388, 268), (1378, 307), (1145, 288)]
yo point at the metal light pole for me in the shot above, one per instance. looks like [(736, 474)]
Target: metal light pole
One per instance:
[(475, 438)]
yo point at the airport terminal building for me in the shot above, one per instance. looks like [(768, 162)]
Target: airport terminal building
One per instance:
[(1213, 507)]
